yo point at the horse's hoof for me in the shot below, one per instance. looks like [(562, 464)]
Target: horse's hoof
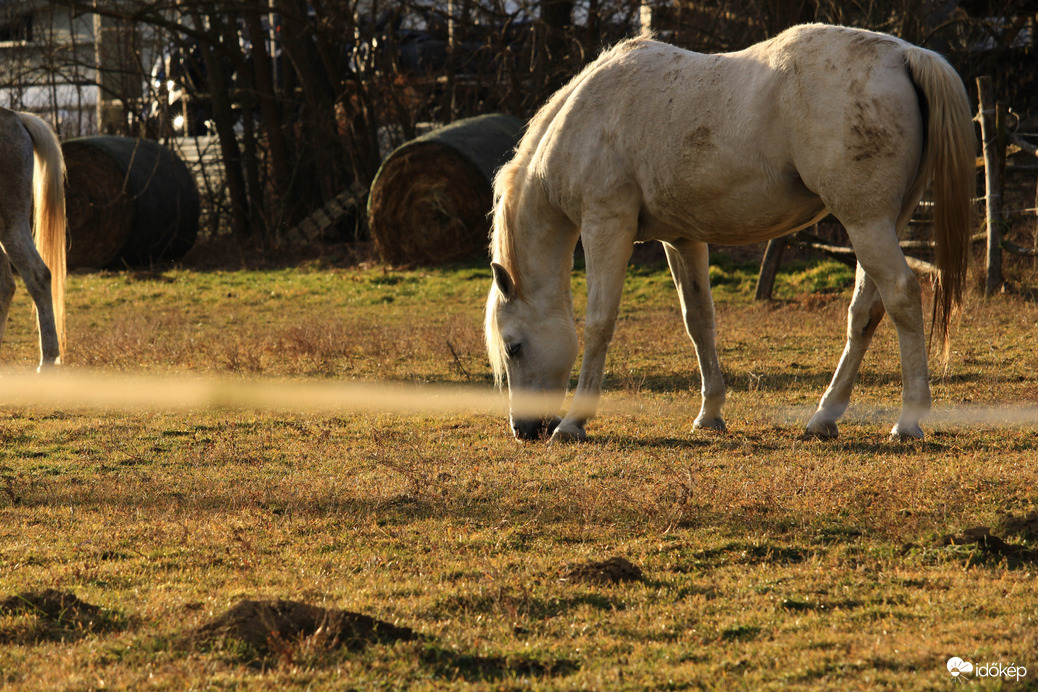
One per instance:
[(906, 433), (565, 433), (822, 430), (526, 430), (706, 423)]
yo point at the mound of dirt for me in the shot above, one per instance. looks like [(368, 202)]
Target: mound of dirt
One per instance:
[(264, 623), (52, 616), (1026, 526), (59, 607), (611, 571)]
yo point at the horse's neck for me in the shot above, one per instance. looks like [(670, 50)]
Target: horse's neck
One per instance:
[(544, 252)]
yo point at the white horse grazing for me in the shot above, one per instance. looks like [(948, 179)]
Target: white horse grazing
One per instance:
[(651, 142), (32, 205)]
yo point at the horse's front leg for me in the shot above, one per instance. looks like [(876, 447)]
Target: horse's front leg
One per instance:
[(690, 266), (607, 249)]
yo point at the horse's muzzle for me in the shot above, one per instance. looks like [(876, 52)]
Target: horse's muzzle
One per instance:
[(534, 429)]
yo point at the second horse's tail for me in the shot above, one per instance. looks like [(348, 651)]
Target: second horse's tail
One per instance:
[(49, 222)]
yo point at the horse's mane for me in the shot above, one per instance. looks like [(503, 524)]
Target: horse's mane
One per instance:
[(502, 237), (509, 184), (509, 181)]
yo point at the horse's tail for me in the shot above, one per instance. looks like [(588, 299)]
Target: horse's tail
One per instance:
[(49, 221), (948, 161)]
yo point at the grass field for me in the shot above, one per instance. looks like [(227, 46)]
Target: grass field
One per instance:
[(765, 560)]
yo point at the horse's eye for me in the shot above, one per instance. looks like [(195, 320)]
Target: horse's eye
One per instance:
[(513, 350)]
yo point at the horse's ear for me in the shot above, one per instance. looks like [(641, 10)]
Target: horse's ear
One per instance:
[(504, 281)]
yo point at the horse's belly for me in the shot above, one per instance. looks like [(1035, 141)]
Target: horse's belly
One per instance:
[(734, 220)]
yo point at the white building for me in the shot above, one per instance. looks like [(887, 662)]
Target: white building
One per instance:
[(50, 60)]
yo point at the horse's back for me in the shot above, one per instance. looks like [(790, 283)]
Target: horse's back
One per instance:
[(734, 147), (853, 114)]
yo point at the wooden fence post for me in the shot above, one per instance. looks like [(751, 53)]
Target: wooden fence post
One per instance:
[(992, 183), (769, 268)]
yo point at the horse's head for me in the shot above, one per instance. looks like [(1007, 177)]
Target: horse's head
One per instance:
[(532, 344)]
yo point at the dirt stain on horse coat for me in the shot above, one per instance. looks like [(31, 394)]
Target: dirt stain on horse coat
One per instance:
[(697, 141), (869, 139)]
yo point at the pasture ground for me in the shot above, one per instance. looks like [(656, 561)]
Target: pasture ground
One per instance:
[(766, 560)]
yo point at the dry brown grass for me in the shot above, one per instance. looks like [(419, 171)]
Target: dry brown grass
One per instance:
[(767, 560)]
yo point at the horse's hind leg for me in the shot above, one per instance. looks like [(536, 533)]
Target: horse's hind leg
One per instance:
[(36, 275), (878, 253), (7, 288), (863, 317), (690, 266)]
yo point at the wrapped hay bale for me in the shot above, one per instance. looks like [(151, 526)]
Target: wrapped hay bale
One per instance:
[(430, 200), (129, 202)]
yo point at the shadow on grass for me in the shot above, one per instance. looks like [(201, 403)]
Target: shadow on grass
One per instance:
[(267, 633), (522, 604), (860, 439), (454, 665), (767, 381), (433, 495), (650, 442), (439, 662), (743, 553)]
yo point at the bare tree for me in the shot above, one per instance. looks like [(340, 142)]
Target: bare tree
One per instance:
[(305, 96)]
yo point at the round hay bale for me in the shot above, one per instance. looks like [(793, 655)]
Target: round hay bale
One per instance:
[(430, 200), (129, 202)]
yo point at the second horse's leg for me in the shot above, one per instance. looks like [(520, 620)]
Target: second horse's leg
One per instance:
[(36, 276), (7, 288)]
